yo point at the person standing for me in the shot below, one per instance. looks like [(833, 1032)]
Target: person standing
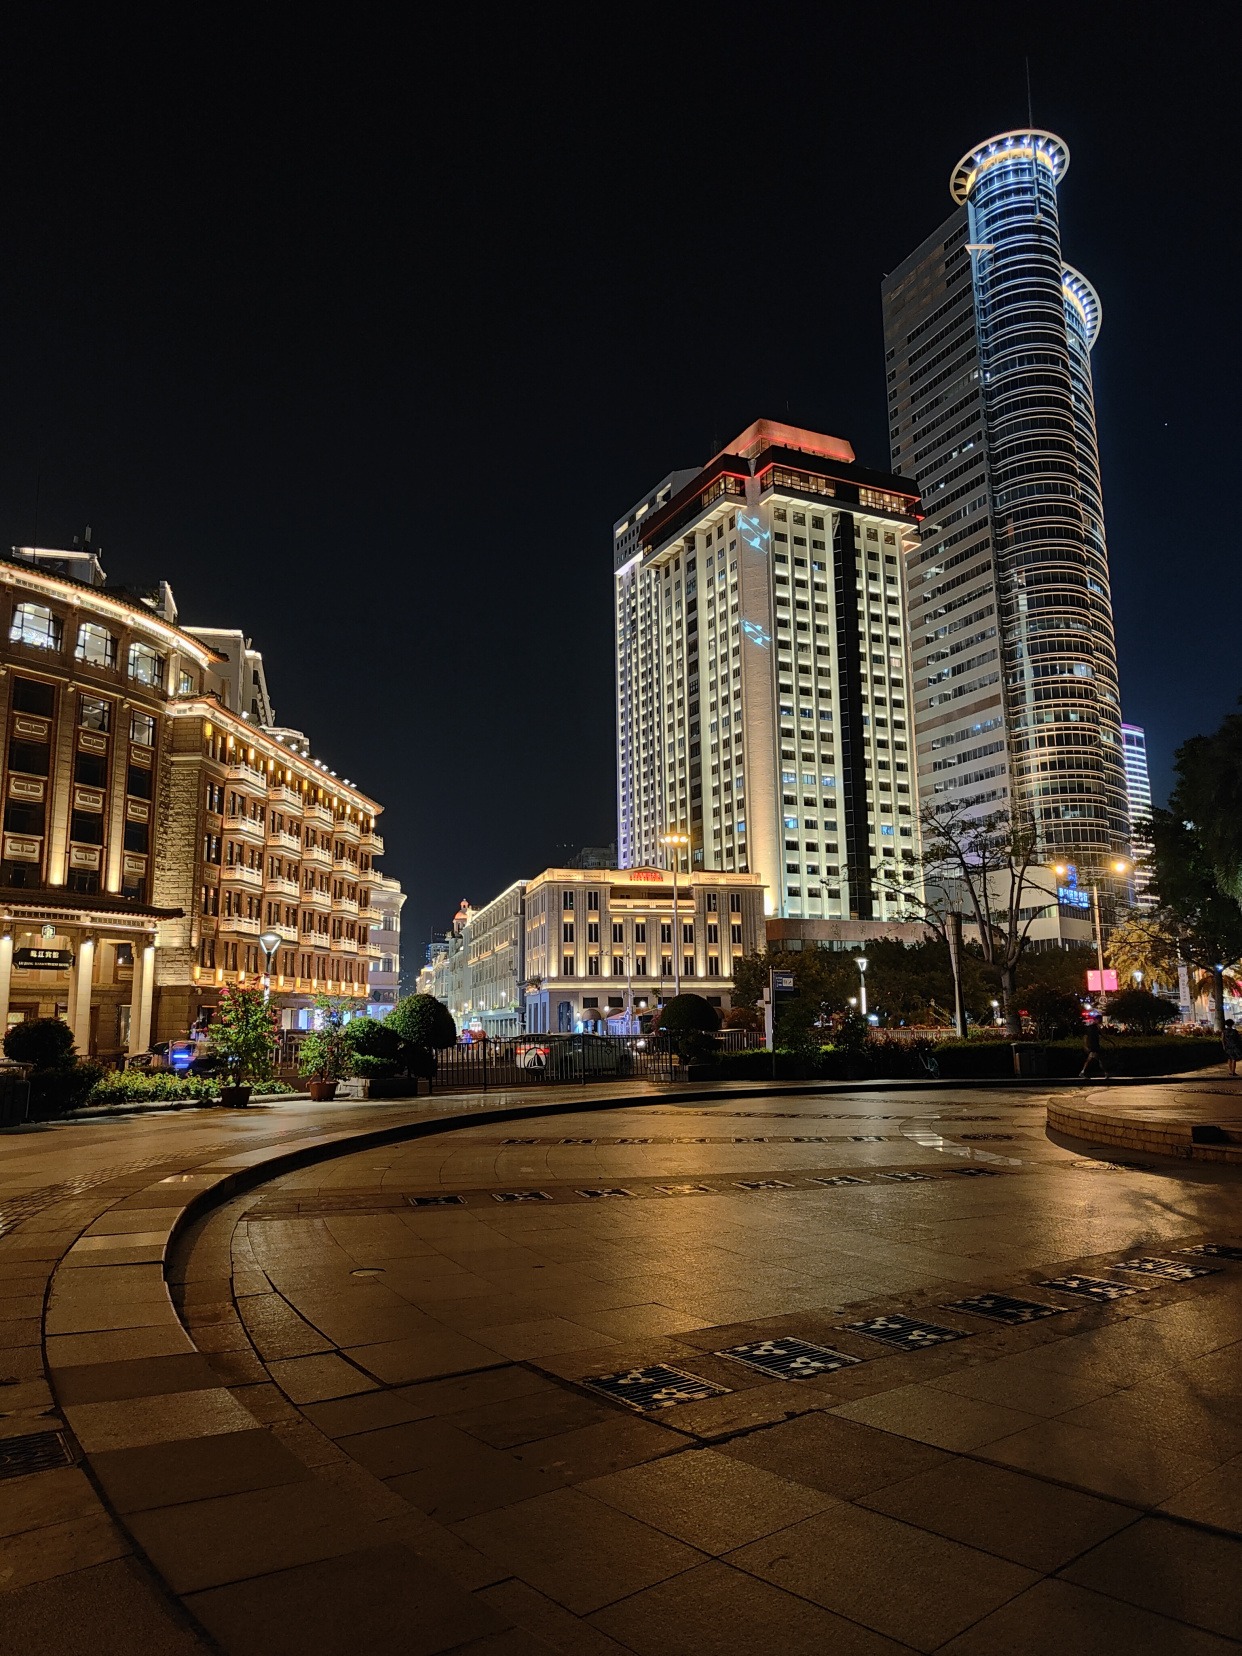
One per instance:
[(1091, 1046), (1231, 1040)]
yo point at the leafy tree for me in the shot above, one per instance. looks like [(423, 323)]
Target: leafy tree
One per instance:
[(1144, 941), (44, 1043), (743, 1017), (686, 1014), (1203, 918), (376, 1050), (1063, 969), (1138, 1010), (824, 981), (1208, 795), (243, 1034), (426, 1025), (1051, 1010), (326, 1053)]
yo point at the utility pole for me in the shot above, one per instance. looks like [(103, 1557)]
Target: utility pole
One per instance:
[(953, 932)]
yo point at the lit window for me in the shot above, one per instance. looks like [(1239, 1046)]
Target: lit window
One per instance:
[(142, 729), (36, 625), (93, 713), (145, 667), (96, 645)]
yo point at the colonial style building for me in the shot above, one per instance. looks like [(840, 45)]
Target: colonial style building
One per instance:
[(151, 832)]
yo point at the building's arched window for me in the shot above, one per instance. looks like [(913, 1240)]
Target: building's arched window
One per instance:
[(35, 624), (145, 667), (96, 645)]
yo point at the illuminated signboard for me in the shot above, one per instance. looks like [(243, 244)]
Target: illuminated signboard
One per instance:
[(34, 960), (1071, 897), (1102, 982)]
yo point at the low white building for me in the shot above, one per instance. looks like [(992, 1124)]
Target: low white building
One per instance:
[(384, 979)]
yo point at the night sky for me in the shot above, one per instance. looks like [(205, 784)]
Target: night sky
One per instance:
[(361, 326)]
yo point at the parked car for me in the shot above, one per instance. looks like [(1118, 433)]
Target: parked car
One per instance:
[(567, 1057)]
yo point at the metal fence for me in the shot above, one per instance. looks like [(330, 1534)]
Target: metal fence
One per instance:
[(538, 1060)]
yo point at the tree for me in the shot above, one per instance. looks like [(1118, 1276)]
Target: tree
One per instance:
[(824, 981), (327, 1052), (1203, 919), (375, 1049), (59, 1079), (1144, 941), (686, 1014), (243, 1034), (981, 866), (1051, 1010), (1140, 1011), (1208, 795), (427, 1027)]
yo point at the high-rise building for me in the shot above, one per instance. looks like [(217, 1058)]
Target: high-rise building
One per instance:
[(1138, 790), (762, 676), (988, 334)]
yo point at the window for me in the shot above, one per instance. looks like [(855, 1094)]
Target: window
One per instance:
[(713, 934), (687, 931), (640, 965), (592, 931), (735, 933), (567, 965), (145, 666), (713, 965), (34, 624), (618, 965), (83, 882), (142, 729), (711, 902), (136, 836), (86, 827), (593, 900), (666, 931), (687, 965), (567, 901), (91, 769), (23, 816), (93, 714), (618, 931), (96, 645), (735, 902), (185, 683), (640, 931), (138, 782), (593, 965), (33, 758)]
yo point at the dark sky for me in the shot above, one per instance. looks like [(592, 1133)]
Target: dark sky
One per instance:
[(360, 326)]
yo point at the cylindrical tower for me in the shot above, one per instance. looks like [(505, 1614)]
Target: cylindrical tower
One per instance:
[(1036, 322)]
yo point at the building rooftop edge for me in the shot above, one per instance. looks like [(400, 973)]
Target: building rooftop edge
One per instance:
[(1054, 150)]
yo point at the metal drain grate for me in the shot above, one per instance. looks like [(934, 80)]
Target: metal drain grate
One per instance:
[(866, 1138), (519, 1141), (977, 1172), (1001, 1308), (810, 1141), (1212, 1250), (598, 1195), (520, 1196), (576, 1141), (790, 1359), (1006, 1137), (1167, 1268), (906, 1332), (39, 1452), (658, 1387), (841, 1179), (686, 1190), (436, 1201), (1093, 1288), (908, 1178), (635, 1141), (762, 1184)]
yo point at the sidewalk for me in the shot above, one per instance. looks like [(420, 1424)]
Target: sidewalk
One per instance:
[(1198, 1119)]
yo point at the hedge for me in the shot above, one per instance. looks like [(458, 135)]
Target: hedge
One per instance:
[(887, 1059), (139, 1087)]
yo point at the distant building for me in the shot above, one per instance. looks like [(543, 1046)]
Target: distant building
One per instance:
[(495, 942), (1138, 788), (594, 856), (384, 979), (243, 683), (763, 682)]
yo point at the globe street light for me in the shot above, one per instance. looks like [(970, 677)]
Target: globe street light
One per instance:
[(861, 963), (269, 942), (676, 840)]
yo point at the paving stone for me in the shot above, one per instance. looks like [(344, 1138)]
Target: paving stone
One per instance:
[(936, 1417), (110, 1609), (838, 1456), (195, 1469), (1055, 1616), (1172, 1570)]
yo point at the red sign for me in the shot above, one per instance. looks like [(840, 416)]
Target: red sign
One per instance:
[(645, 874), (1102, 982)]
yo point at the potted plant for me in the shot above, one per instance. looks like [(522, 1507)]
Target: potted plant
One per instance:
[(326, 1054), (243, 1040)]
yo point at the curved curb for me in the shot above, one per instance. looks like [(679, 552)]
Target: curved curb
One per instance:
[(1151, 1136)]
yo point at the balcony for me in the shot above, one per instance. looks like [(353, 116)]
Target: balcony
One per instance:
[(283, 886), (320, 855), (344, 905), (240, 923), (238, 772), (317, 815), (316, 899), (286, 841), (238, 874), (248, 826), (347, 945), (348, 830), (374, 843), (280, 794), (287, 934)]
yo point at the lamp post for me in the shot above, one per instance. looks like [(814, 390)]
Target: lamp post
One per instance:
[(269, 942), (995, 1012), (1119, 865), (861, 963), (676, 841)]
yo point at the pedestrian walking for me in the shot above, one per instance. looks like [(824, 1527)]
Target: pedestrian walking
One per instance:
[(1231, 1040), (1091, 1046)]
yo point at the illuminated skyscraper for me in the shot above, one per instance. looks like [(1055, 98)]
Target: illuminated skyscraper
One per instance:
[(762, 677), (1138, 788), (988, 334)]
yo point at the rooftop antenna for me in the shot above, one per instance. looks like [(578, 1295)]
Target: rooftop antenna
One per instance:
[(1030, 119)]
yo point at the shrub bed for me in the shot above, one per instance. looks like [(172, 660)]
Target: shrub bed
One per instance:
[(139, 1087)]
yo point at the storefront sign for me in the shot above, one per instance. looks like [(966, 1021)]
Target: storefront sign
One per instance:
[(45, 960)]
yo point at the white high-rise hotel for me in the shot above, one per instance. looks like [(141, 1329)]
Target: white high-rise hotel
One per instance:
[(763, 699)]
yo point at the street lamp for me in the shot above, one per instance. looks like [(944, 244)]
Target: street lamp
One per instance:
[(861, 963), (269, 942), (1119, 865), (995, 1012), (677, 841)]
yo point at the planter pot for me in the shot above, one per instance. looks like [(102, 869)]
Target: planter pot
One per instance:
[(322, 1091), (235, 1098)]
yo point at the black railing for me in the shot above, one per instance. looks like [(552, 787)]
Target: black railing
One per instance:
[(537, 1060)]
